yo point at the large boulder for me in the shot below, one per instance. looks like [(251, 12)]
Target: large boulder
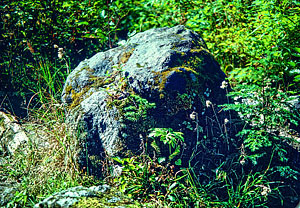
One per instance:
[(160, 78)]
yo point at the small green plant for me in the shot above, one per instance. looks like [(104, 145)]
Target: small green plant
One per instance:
[(49, 80), (133, 108), (142, 177), (168, 137), (146, 178), (244, 190), (260, 106), (138, 108)]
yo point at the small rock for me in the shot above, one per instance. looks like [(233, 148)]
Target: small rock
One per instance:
[(11, 134), (7, 192), (100, 196)]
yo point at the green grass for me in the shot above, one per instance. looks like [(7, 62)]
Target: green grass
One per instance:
[(46, 164)]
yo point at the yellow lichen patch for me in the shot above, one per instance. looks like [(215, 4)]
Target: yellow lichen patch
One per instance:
[(199, 49), (139, 65), (97, 81), (87, 68), (90, 70), (94, 82), (77, 97), (196, 50), (105, 200), (68, 89), (199, 62), (161, 77), (125, 56), (179, 52), (189, 69)]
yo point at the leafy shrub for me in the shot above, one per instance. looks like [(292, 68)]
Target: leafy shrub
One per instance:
[(32, 28)]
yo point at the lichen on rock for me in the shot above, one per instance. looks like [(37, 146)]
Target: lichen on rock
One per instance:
[(83, 197)]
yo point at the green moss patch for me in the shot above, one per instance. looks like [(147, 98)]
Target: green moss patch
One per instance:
[(111, 198), (95, 82)]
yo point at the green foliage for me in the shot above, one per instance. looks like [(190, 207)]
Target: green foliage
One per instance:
[(133, 108), (167, 136), (49, 81), (268, 112), (251, 189), (256, 43), (144, 178), (238, 33), (229, 189), (137, 109), (30, 29)]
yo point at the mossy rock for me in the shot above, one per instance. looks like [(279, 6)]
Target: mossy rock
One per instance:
[(169, 69), (103, 196)]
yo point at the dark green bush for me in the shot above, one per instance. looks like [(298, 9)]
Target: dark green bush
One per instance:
[(30, 29)]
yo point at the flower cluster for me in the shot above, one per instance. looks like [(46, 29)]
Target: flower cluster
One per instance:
[(61, 51)]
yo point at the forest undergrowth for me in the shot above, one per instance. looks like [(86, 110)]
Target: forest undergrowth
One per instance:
[(256, 42)]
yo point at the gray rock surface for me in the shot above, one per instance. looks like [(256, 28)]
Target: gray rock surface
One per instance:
[(11, 134), (161, 78), (7, 192), (96, 196)]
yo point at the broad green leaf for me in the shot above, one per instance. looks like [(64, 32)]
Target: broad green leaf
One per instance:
[(155, 146), (161, 160), (293, 64), (172, 186), (83, 23), (178, 162), (297, 49), (171, 198), (175, 153), (297, 78)]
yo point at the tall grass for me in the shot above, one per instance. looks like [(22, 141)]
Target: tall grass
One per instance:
[(47, 163)]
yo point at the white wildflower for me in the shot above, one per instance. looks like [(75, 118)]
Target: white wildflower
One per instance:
[(224, 85), (262, 119), (265, 191), (236, 98), (60, 53), (193, 115), (208, 103), (242, 161), (226, 121), (122, 42)]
